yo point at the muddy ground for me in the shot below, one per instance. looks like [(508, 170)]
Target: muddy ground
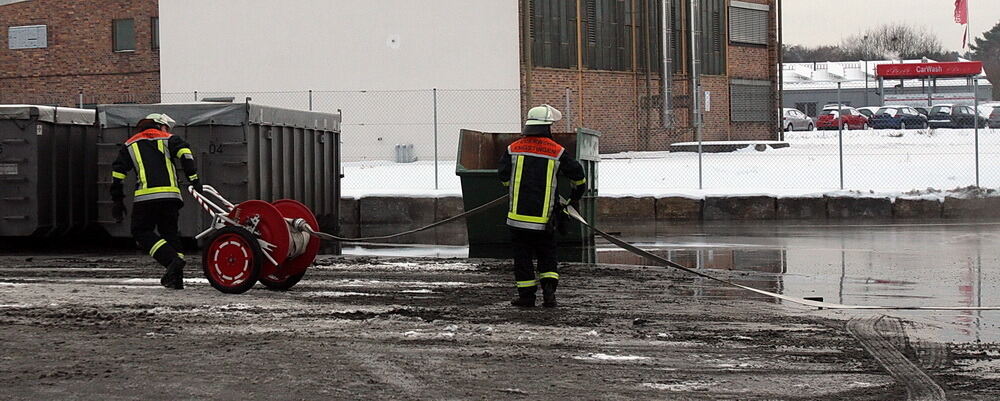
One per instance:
[(100, 327)]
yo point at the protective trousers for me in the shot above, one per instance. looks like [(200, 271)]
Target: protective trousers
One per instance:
[(154, 228), (527, 246)]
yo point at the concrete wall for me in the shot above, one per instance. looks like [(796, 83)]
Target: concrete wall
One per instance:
[(349, 45), (384, 215)]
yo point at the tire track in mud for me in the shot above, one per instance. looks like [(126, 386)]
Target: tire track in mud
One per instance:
[(919, 386), (381, 368)]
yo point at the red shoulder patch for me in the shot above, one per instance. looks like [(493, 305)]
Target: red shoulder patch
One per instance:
[(151, 133), (540, 146)]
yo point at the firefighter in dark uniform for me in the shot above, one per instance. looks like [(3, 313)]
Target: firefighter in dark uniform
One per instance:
[(529, 169), (152, 152)]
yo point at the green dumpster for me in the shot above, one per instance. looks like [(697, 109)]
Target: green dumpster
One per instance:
[(479, 155)]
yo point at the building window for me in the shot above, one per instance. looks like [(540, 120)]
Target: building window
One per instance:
[(649, 14), (607, 31), (154, 27), (751, 100), (748, 23), (123, 34), (553, 33), (710, 49)]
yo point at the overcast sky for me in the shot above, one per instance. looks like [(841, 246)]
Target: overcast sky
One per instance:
[(814, 23)]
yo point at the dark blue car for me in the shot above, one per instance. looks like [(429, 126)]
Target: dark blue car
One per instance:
[(897, 117)]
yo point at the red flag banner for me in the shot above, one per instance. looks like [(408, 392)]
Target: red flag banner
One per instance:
[(962, 12)]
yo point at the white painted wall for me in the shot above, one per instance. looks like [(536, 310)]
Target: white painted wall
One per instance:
[(397, 50)]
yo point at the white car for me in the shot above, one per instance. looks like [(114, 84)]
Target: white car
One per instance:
[(795, 120)]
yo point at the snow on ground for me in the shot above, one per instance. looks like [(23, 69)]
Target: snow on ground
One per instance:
[(876, 163)]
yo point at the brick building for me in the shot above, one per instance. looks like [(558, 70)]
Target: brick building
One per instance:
[(602, 57), (606, 52), (54, 50)]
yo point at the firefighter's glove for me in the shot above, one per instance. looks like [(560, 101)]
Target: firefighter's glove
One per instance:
[(196, 183), (118, 211), (562, 221)]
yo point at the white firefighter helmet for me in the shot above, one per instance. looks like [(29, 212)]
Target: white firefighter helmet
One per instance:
[(543, 115), (162, 119)]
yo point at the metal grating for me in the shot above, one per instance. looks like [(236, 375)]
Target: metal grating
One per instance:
[(751, 100)]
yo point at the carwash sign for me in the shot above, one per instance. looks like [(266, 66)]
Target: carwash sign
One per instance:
[(920, 70)]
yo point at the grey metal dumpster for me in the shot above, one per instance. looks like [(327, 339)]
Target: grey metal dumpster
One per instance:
[(479, 155), (246, 151), (47, 170)]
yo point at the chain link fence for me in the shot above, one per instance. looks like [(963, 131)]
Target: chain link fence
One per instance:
[(404, 142)]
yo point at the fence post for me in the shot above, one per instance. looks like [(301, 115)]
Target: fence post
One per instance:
[(569, 111), (975, 121), (435, 93), (840, 134), (310, 100)]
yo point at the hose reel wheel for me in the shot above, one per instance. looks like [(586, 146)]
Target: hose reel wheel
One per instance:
[(232, 261)]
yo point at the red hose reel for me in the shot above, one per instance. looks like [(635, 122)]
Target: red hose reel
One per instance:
[(256, 241)]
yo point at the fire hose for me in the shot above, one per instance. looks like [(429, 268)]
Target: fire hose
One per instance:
[(275, 243)]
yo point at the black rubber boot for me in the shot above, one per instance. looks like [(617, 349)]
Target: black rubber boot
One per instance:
[(525, 297), (174, 277), (549, 292)]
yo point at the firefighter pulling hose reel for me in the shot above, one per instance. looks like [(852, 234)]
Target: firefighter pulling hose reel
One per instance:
[(273, 243)]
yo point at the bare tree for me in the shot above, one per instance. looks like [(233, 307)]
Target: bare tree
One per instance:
[(895, 40), (802, 54)]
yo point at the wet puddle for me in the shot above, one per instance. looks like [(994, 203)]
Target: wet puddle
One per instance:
[(909, 264)]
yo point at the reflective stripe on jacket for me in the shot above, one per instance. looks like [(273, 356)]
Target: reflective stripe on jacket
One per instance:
[(530, 170), (152, 154)]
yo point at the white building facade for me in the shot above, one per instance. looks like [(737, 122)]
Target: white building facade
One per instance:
[(377, 61)]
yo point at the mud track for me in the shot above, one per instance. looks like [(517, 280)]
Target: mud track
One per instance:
[(96, 327)]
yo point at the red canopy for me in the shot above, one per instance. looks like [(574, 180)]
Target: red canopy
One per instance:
[(919, 70)]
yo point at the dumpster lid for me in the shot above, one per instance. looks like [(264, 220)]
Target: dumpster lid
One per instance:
[(232, 114), (51, 114)]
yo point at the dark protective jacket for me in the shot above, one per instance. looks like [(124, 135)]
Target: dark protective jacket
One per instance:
[(152, 153), (530, 170)]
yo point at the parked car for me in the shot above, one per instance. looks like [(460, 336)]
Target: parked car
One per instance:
[(990, 110), (994, 117), (852, 119), (795, 120), (921, 110), (954, 116), (898, 117), (868, 111)]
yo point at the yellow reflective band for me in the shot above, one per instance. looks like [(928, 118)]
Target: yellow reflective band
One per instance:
[(548, 189), (139, 166), (529, 283), (170, 165), (518, 169), (182, 152), (156, 190), (193, 177), (157, 246), (180, 255), (529, 219), (505, 183), (115, 174), (549, 275), (581, 182)]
